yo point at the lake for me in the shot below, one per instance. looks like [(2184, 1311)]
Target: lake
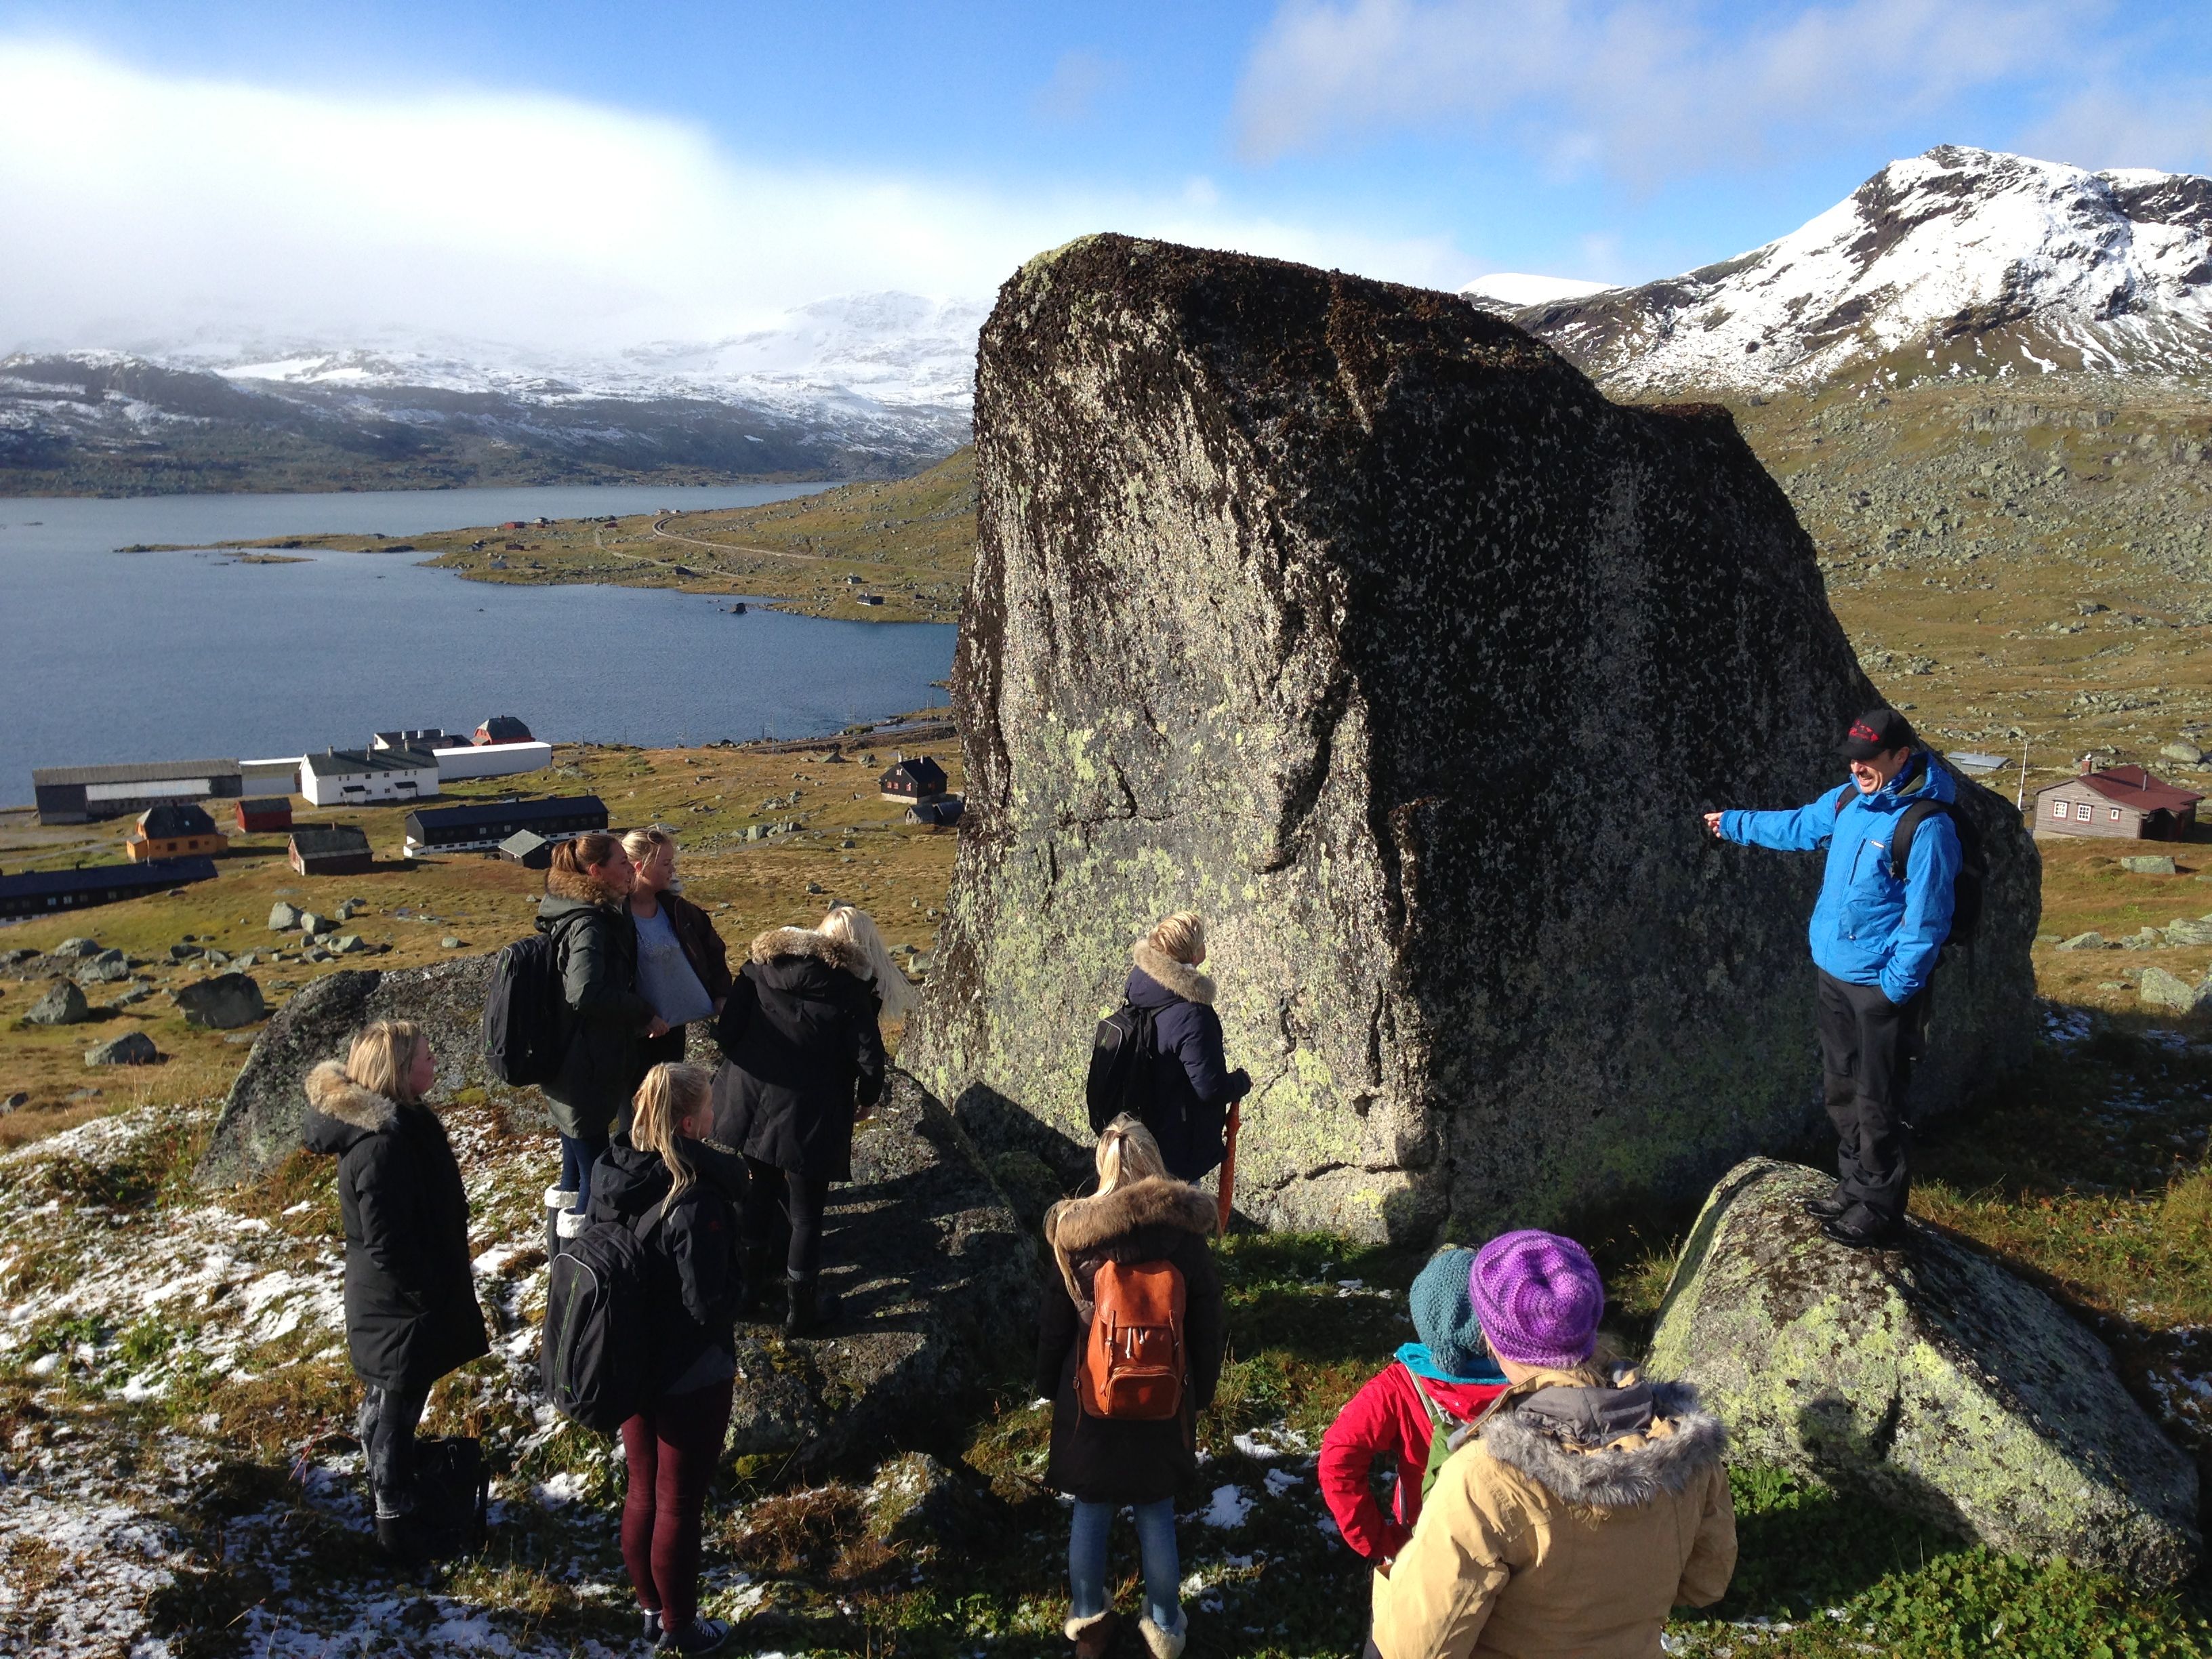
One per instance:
[(179, 656)]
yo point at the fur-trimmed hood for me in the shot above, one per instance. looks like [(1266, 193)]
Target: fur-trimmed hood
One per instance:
[(806, 942), (1178, 977), (1603, 1445), (1076, 1226), (581, 888), (341, 1112)]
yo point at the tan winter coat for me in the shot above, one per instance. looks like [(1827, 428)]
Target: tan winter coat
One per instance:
[(1581, 1508)]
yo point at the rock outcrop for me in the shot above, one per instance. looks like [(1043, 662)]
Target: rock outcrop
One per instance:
[(1359, 621), (1926, 1377), (260, 1122), (223, 1003), (63, 1003)]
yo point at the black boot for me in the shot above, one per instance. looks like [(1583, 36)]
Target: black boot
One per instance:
[(807, 1306), (755, 1270), (1828, 1206)]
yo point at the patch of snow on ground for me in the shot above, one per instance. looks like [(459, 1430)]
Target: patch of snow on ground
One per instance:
[(1228, 1509)]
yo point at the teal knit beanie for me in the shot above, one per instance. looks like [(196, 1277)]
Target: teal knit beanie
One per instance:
[(1444, 1317)]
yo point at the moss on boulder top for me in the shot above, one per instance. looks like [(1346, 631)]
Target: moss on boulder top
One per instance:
[(1926, 1377), (1358, 620)]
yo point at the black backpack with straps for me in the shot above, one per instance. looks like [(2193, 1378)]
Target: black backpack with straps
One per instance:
[(1973, 860), (1121, 1079), (597, 1352)]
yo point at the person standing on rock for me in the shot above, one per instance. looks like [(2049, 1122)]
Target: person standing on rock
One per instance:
[(1192, 1086), (682, 969), (805, 1053), (410, 1301), (586, 913), (1583, 1506), (1875, 940), (1140, 1216), (671, 1445), (895, 993)]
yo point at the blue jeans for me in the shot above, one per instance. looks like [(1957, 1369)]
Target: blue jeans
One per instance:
[(1156, 1544), (578, 1154)]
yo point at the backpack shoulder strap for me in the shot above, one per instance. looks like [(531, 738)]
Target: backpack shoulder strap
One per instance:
[(1439, 1419), (1908, 823)]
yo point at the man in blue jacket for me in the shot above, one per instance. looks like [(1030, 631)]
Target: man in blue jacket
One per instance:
[(1875, 939)]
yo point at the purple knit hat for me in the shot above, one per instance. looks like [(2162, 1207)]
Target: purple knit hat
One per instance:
[(1539, 1297)]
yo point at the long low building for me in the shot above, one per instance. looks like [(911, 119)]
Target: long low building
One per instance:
[(491, 760), (50, 892), (481, 828), (364, 777), (78, 795)]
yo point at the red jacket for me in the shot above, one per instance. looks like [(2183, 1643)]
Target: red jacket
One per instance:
[(1387, 1416)]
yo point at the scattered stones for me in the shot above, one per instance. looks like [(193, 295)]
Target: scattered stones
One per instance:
[(223, 1003), (75, 947), (2092, 940), (2183, 750), (283, 917), (106, 969), (2149, 864), (62, 1005), (2159, 989), (132, 1049), (1924, 1378)]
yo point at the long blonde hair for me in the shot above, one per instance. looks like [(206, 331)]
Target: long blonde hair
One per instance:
[(640, 843), (382, 1059), (857, 928), (1126, 1153), (669, 1094)]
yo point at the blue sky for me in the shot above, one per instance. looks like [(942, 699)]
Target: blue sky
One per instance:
[(178, 165)]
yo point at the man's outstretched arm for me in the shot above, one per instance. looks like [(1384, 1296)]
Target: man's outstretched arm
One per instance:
[(1802, 830)]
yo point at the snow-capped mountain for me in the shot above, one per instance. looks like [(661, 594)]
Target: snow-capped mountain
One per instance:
[(1959, 261), (860, 385), (1509, 290)]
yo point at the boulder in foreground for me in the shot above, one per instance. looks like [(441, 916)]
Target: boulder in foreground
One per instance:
[(1359, 621), (1926, 1377)]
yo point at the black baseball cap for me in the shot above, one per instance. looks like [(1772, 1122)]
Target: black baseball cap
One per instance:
[(1877, 731)]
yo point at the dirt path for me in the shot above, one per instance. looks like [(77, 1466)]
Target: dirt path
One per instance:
[(660, 529)]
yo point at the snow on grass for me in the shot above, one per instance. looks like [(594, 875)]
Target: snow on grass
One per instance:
[(1228, 1509)]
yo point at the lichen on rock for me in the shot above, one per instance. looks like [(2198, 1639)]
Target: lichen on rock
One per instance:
[(1359, 621), (1926, 1377)]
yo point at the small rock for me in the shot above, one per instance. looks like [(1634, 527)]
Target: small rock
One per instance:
[(311, 924), (132, 1049), (2183, 750), (75, 947), (101, 970), (2092, 940), (814, 887), (2050, 939), (185, 952), (449, 943), (15, 1102), (350, 908), (62, 1005), (16, 958), (84, 1094), (2150, 863), (346, 945), (2180, 931), (136, 993), (223, 1003), (239, 1039), (2159, 989), (283, 917)]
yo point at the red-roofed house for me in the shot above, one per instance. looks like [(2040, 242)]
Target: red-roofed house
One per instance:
[(2119, 800)]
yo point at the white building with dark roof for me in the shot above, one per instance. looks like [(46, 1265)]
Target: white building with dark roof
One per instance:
[(358, 777)]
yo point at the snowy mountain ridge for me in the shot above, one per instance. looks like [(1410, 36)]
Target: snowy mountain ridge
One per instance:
[(1958, 262)]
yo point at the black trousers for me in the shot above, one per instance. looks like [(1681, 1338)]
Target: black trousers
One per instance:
[(774, 1194), (1868, 1046), (385, 1427)]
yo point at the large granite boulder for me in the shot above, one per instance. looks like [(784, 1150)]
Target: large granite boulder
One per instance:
[(63, 1003), (223, 1003), (1359, 621), (1926, 1377), (938, 1282), (260, 1120)]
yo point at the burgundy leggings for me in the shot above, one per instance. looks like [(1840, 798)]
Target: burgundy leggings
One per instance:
[(671, 1447)]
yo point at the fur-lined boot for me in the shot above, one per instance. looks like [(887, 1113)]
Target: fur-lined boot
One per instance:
[(1166, 1644), (1093, 1637)]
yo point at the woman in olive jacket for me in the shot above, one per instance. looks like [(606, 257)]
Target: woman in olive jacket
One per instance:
[(586, 913), (1140, 1213), (804, 1052), (410, 1302)]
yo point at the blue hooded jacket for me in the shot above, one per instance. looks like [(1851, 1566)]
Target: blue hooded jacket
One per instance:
[(1868, 929)]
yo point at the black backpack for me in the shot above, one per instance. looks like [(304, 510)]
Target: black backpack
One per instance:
[(525, 1017), (597, 1352), (1120, 1078), (453, 1490), (1973, 861)]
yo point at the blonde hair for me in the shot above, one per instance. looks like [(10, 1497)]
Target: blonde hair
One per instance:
[(640, 843), (382, 1059), (1126, 1152), (857, 928), (1182, 936), (669, 1094)]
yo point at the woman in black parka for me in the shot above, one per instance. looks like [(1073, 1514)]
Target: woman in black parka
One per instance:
[(1140, 1213), (410, 1302), (805, 1052), (1193, 1087)]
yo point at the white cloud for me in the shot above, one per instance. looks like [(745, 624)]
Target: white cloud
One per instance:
[(2108, 126), (144, 207), (1640, 89)]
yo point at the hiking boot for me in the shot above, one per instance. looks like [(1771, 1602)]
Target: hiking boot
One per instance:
[(807, 1306), (1093, 1637), (1828, 1205), (405, 1539), (652, 1631), (756, 1268), (700, 1635), (1862, 1229)]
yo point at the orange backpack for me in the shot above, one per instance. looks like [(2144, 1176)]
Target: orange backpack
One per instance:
[(1133, 1359)]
